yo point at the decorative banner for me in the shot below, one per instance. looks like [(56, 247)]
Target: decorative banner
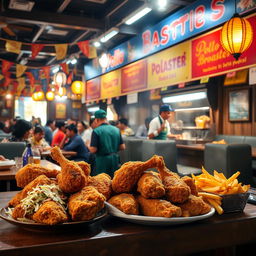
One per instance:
[(92, 52), (84, 47), (6, 66), (170, 66), (111, 84), (46, 71), (93, 89), (7, 79), (21, 85), (20, 69), (13, 46), (61, 51), (64, 67), (208, 56), (60, 110), (35, 49), (134, 77), (31, 80)]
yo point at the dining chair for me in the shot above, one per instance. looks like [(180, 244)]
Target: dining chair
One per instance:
[(10, 150)]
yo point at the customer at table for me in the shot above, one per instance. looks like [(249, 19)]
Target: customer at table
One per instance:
[(105, 143), (21, 131), (59, 135), (124, 127), (75, 144), (37, 140), (88, 132), (48, 131), (142, 131), (159, 127), (81, 128)]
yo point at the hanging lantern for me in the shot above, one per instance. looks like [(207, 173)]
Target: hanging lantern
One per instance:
[(236, 35), (77, 87), (62, 91), (50, 95), (35, 96), (60, 78), (40, 95)]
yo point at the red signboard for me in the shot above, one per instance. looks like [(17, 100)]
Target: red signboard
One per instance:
[(208, 56), (134, 77), (93, 89)]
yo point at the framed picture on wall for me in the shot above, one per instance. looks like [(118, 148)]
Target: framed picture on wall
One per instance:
[(60, 111), (239, 105)]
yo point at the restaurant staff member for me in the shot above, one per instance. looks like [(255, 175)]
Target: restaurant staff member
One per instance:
[(106, 141), (159, 127)]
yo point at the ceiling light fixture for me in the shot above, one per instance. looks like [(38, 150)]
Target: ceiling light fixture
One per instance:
[(97, 44), (185, 97), (55, 70), (109, 34), (137, 15), (73, 61), (162, 5)]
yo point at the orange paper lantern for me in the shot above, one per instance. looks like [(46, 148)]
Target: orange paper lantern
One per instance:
[(77, 87), (40, 95), (50, 95)]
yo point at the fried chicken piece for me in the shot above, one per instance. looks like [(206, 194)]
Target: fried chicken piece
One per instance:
[(150, 185), (40, 180), (129, 173), (176, 190), (85, 205), (102, 182), (30, 172), (194, 206), (71, 179), (125, 203), (85, 167), (158, 208), (191, 183), (19, 212), (50, 213)]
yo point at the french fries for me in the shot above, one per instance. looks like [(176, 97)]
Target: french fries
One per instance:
[(211, 186)]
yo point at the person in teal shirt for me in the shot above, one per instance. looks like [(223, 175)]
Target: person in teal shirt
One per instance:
[(106, 141)]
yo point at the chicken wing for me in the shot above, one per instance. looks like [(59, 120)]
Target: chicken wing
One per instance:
[(50, 213), (85, 167), (158, 208), (30, 172), (129, 173), (71, 179), (125, 203), (191, 183), (150, 185), (102, 182), (194, 206), (176, 190), (85, 205), (40, 180)]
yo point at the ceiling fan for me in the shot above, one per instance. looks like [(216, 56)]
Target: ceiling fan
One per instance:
[(9, 28)]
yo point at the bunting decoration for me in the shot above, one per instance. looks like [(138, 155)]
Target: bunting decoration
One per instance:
[(84, 47), (6, 66), (21, 85), (7, 79), (92, 52), (64, 67), (35, 49), (20, 69), (13, 46), (61, 51), (46, 71)]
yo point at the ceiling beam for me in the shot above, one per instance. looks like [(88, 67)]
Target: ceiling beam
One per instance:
[(53, 19), (63, 6), (38, 33)]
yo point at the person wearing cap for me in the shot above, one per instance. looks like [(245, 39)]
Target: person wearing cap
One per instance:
[(106, 141), (159, 127)]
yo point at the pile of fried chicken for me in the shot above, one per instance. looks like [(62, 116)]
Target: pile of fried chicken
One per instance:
[(52, 197), (157, 194)]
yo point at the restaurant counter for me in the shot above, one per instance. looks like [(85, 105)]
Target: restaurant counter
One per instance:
[(112, 236)]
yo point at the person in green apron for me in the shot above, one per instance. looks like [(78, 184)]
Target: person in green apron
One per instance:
[(106, 141), (159, 127)]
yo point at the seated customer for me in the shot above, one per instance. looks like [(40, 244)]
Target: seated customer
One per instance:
[(21, 131), (37, 140), (59, 135), (76, 144), (124, 128)]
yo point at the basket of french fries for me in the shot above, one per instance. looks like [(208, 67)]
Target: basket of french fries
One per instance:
[(224, 194)]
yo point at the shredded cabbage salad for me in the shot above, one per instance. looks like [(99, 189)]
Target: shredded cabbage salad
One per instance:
[(37, 196)]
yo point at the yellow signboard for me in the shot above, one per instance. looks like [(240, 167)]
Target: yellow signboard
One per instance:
[(170, 66), (111, 84)]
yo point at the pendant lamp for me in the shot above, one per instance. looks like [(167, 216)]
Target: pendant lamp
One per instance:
[(60, 78), (50, 95), (236, 35), (35, 96), (77, 87)]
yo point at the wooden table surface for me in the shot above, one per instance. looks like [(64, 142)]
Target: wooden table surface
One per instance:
[(112, 236), (9, 173), (65, 153)]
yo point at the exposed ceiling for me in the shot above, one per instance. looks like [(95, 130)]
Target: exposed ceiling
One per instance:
[(70, 21)]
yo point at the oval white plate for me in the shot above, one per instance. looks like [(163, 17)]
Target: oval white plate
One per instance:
[(160, 221)]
